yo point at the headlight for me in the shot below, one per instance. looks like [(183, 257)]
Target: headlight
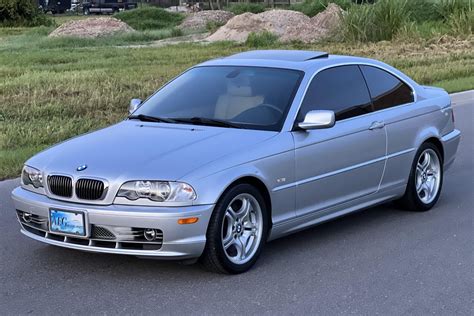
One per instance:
[(32, 176), (158, 191)]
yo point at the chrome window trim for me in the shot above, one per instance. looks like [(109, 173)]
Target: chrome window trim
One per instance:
[(293, 119)]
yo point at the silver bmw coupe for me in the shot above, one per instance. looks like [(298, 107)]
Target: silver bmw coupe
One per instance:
[(238, 151)]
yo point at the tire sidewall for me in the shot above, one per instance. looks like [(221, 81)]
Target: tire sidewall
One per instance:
[(412, 185), (218, 217)]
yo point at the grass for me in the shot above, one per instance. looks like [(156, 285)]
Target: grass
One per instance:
[(54, 89), (148, 18), (377, 22), (63, 18), (313, 7), (262, 39), (387, 19), (239, 8)]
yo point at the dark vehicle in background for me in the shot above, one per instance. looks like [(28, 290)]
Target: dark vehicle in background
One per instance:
[(54, 6), (107, 6)]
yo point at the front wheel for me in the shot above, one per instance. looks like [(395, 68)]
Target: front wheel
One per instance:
[(426, 179), (237, 231)]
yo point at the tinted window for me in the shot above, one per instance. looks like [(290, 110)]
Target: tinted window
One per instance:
[(340, 89), (385, 89), (251, 97)]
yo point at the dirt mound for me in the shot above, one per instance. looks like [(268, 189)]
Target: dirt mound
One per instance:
[(330, 18), (199, 20), (91, 27), (286, 24), (239, 27)]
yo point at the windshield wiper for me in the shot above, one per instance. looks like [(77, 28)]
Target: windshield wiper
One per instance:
[(149, 118), (205, 121)]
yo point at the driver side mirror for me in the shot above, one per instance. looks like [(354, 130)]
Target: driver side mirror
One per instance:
[(318, 119), (134, 104)]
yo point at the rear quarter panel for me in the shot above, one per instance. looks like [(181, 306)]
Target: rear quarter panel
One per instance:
[(408, 126)]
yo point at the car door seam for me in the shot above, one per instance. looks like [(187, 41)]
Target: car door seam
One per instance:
[(386, 159), (342, 170)]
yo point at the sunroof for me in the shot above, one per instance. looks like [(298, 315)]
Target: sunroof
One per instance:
[(288, 55)]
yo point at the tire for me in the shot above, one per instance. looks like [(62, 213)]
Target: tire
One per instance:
[(239, 218), (425, 182)]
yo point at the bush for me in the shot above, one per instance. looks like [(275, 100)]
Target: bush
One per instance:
[(423, 10), (239, 8), (213, 26), (313, 7), (22, 13), (461, 22), (147, 18), (261, 39), (446, 8), (375, 22)]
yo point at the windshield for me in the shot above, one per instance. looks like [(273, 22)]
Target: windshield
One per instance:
[(245, 97)]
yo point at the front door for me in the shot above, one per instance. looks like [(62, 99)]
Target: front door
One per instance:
[(345, 162)]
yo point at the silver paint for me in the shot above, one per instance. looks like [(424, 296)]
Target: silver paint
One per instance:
[(311, 176)]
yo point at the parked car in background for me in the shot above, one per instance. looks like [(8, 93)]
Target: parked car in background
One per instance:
[(76, 6), (107, 6), (54, 6), (240, 150)]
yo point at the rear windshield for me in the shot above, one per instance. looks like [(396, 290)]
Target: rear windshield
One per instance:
[(249, 97)]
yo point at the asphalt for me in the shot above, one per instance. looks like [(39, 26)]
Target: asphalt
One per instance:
[(379, 261)]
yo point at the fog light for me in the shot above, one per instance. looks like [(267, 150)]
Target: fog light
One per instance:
[(188, 220), (26, 217), (149, 234)]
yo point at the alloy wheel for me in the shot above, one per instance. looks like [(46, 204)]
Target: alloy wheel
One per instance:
[(428, 176), (242, 228)]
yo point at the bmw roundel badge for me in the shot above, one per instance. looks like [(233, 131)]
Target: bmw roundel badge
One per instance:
[(81, 168)]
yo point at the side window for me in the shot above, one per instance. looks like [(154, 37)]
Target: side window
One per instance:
[(385, 89), (341, 89)]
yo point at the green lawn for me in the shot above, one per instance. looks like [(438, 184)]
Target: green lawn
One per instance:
[(63, 18), (53, 89)]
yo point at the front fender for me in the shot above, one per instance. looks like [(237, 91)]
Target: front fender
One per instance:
[(274, 168)]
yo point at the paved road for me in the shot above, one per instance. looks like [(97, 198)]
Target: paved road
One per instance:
[(379, 261)]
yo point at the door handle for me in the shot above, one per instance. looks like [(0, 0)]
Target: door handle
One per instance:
[(377, 125)]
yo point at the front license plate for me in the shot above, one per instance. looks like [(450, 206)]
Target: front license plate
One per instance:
[(67, 222)]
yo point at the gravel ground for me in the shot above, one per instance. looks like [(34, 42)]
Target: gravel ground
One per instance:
[(199, 20), (91, 27)]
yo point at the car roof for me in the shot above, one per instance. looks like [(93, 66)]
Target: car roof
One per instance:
[(283, 55), (303, 60)]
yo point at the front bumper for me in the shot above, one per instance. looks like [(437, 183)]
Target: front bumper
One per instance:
[(178, 241)]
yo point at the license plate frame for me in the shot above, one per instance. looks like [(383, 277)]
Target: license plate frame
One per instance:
[(67, 222)]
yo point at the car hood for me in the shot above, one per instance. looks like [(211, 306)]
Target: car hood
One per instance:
[(133, 150)]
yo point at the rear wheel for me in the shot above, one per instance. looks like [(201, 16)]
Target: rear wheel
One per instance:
[(426, 179), (237, 231)]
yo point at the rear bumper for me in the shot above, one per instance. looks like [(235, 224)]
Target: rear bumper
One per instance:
[(450, 146), (179, 241)]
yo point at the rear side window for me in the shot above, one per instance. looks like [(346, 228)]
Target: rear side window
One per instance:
[(385, 89), (341, 89)]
